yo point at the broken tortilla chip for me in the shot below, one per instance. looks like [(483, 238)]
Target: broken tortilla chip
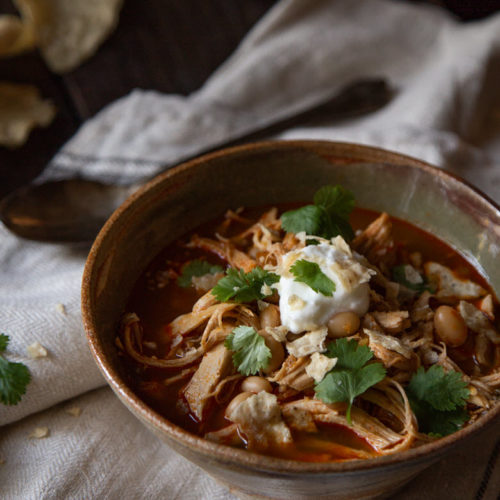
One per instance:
[(449, 285), (21, 109), (477, 321), (68, 33)]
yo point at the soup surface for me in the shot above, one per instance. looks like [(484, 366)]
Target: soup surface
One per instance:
[(326, 346)]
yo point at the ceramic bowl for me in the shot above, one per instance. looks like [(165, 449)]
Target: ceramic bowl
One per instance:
[(266, 173)]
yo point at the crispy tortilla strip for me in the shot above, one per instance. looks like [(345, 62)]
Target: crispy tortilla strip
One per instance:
[(380, 340), (449, 285), (69, 32), (376, 241), (392, 321), (21, 110), (293, 374), (259, 418), (487, 306), (478, 321), (396, 356), (319, 366), (225, 250), (297, 418), (278, 333), (308, 343)]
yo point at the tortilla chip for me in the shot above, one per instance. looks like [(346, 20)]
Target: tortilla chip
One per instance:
[(21, 109), (487, 307), (477, 321), (449, 285), (69, 32), (388, 342), (392, 321), (16, 36)]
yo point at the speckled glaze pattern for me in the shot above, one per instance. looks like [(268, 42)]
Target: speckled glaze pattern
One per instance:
[(266, 173)]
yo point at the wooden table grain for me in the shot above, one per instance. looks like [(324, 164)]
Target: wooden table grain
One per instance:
[(170, 46)]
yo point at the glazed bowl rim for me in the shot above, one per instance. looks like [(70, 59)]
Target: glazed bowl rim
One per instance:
[(235, 456)]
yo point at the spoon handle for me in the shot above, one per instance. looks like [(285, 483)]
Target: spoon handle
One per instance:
[(74, 210), (360, 97)]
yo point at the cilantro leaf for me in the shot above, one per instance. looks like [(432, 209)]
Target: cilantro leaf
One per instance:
[(14, 377), (437, 423), (443, 391), (243, 287), (196, 268), (399, 274), (350, 355), (308, 219), (328, 217), (351, 376), (447, 422), (438, 400), (4, 340), (335, 200), (311, 274), (251, 353), (335, 226)]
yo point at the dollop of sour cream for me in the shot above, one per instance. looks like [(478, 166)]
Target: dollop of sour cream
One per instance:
[(303, 309)]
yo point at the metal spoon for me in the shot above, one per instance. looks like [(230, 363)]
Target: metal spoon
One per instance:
[(74, 210)]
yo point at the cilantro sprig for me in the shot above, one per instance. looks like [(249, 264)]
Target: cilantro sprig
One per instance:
[(250, 352), (195, 268), (14, 377), (438, 400), (328, 217), (351, 376), (311, 274), (399, 274), (244, 287)]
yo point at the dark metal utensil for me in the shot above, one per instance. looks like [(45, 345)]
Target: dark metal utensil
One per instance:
[(74, 210)]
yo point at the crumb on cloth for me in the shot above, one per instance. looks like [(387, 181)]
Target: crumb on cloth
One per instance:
[(74, 411), (36, 351), (39, 433), (61, 308)]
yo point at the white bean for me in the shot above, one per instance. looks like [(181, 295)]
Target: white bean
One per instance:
[(450, 326), (236, 401), (277, 352), (343, 324), (256, 384)]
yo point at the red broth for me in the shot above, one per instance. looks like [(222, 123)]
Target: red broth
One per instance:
[(157, 300)]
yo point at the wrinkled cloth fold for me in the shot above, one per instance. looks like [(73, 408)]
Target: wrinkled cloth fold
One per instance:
[(445, 110)]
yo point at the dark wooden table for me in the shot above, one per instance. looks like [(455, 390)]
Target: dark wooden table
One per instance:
[(171, 46)]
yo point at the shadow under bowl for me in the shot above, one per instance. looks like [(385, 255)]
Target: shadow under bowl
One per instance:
[(262, 174)]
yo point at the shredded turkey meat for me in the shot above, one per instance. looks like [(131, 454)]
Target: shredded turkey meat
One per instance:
[(280, 401)]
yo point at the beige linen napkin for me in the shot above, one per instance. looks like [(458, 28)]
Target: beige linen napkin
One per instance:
[(445, 110)]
